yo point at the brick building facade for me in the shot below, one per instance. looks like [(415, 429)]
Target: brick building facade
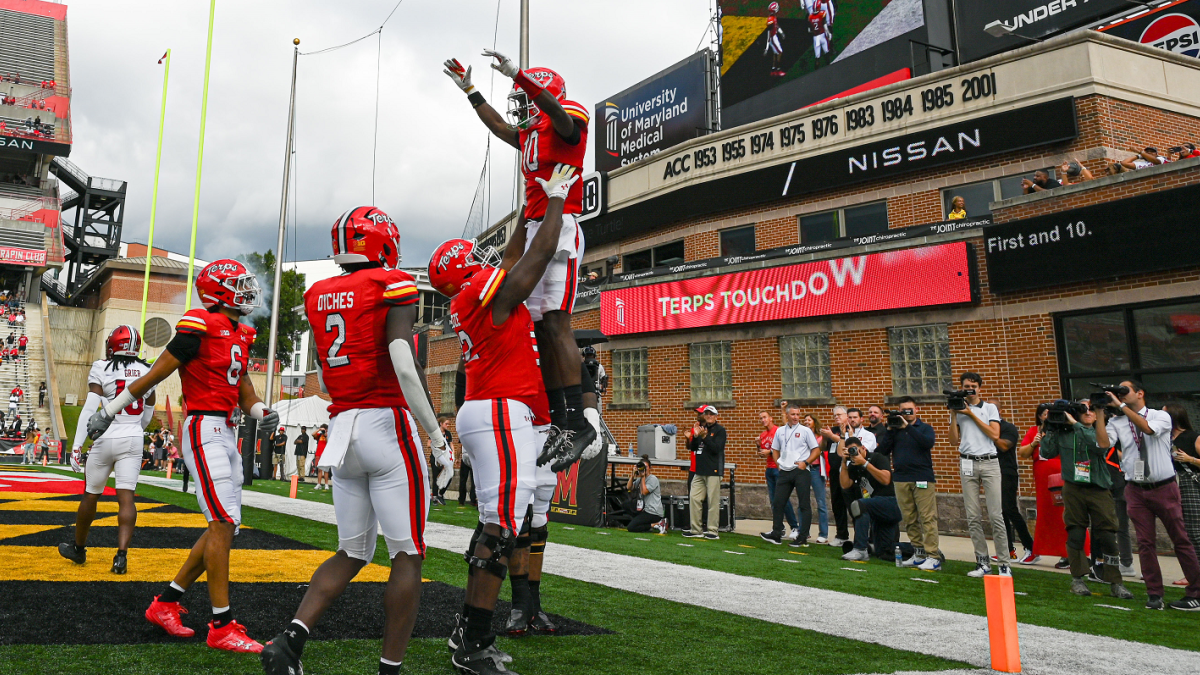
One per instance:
[(1124, 96)]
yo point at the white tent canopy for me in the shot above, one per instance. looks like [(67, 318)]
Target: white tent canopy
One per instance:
[(310, 412)]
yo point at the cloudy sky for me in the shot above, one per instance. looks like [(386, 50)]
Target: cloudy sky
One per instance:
[(430, 145)]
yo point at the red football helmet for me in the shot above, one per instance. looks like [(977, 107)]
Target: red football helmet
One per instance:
[(229, 283), (521, 109), (123, 341), (364, 234), (773, 8), (456, 262)]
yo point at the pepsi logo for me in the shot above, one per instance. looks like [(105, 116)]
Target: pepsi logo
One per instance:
[(1178, 33)]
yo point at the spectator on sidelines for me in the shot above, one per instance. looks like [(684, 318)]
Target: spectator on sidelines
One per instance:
[(1074, 172), (1010, 482), (321, 436), (975, 429), (830, 438), (867, 478), (1040, 183), (819, 470), (1186, 453), (958, 209), (278, 450), (706, 441), (876, 422), (1050, 535), (1151, 491), (439, 494), (301, 451), (795, 449), (1086, 500), (910, 448), (765, 440), (644, 487)]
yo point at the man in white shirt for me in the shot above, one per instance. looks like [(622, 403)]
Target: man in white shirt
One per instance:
[(795, 449), (1151, 490), (976, 429)]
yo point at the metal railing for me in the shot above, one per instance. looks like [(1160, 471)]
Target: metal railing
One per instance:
[(26, 210)]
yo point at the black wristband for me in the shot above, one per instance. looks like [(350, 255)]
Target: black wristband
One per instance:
[(476, 99)]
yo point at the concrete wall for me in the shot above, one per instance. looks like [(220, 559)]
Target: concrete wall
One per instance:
[(72, 344)]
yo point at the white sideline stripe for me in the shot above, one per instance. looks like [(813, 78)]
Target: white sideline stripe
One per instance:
[(936, 632)]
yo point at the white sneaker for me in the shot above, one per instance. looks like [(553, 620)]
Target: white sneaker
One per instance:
[(1004, 570), (795, 534), (837, 542), (822, 540), (913, 561), (1128, 571), (981, 569), (930, 564), (857, 555)]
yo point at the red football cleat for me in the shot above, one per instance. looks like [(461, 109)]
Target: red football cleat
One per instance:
[(165, 615), (232, 637)]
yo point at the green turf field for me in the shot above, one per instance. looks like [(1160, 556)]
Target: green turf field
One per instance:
[(649, 635)]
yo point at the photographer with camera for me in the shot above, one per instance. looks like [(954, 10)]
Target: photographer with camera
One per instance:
[(866, 480), (1151, 490), (975, 427), (1070, 432), (848, 423), (909, 442), (644, 487)]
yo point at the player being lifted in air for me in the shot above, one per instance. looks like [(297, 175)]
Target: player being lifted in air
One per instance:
[(547, 130), (504, 401), (119, 450), (210, 350), (362, 321), (774, 39)]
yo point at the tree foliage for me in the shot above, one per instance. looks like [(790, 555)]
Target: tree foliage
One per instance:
[(292, 325)]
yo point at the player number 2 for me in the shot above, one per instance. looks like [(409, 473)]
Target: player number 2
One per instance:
[(467, 346), (336, 322), (529, 154), (134, 408), (234, 374)]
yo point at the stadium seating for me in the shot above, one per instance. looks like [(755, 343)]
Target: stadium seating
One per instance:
[(27, 47), (19, 373)]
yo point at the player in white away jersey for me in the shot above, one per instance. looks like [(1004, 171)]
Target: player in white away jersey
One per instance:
[(119, 450)]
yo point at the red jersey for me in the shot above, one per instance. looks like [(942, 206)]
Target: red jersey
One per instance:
[(23, 341), (212, 378), (816, 22), (765, 439), (541, 149), (501, 361), (772, 26), (348, 314)]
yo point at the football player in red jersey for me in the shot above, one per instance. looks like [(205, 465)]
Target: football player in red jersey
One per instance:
[(774, 36), (362, 322), (548, 129), (504, 400), (119, 450), (210, 350)]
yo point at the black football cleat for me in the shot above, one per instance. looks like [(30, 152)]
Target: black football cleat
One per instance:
[(540, 623), (577, 441), (76, 554), (456, 635), (556, 439), (480, 660), (278, 659), (120, 563), (518, 623)]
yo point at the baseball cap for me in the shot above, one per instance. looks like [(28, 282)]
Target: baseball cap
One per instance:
[(706, 409)]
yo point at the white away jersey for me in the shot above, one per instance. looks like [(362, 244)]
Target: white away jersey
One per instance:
[(112, 379)]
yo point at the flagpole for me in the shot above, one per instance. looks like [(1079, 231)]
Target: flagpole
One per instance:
[(287, 171), (162, 118), (212, 14)]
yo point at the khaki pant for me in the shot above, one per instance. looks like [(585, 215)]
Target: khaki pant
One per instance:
[(985, 474), (705, 487), (919, 508)]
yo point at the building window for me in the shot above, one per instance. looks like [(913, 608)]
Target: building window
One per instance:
[(920, 360), (432, 306), (666, 254), (1156, 344), (979, 196), (630, 376), (853, 221), (712, 371), (738, 241), (804, 363), (447, 407)]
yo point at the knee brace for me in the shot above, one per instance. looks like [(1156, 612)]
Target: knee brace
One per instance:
[(1075, 537), (500, 545), (539, 535)]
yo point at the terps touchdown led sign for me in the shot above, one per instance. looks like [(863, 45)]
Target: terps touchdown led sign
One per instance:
[(917, 277)]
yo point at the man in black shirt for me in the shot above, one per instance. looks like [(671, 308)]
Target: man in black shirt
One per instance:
[(279, 445), (1010, 440), (301, 450), (877, 423), (706, 441), (866, 479), (911, 448), (1041, 181)]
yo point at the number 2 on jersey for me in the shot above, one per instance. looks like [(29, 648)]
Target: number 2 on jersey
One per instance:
[(335, 321), (134, 408), (467, 345)]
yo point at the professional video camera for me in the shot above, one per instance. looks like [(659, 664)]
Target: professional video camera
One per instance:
[(957, 399), (895, 419), (1057, 411), (1100, 399)]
